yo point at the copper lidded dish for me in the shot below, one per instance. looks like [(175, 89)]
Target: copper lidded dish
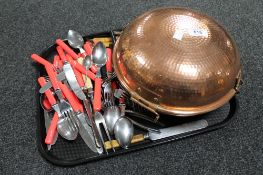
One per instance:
[(177, 61)]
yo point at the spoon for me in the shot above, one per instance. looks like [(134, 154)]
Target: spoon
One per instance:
[(87, 63), (65, 129), (111, 112), (111, 115), (99, 58), (123, 131), (75, 40)]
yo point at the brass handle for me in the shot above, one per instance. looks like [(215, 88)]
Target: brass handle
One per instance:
[(105, 40), (146, 107), (115, 144)]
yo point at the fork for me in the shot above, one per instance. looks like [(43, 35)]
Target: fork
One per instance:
[(63, 108), (66, 109), (98, 118), (63, 124), (67, 112), (108, 95), (109, 79)]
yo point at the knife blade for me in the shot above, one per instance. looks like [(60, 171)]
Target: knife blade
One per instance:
[(164, 133), (86, 132), (73, 83), (88, 108), (176, 130)]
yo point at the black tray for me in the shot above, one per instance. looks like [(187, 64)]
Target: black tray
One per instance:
[(70, 153)]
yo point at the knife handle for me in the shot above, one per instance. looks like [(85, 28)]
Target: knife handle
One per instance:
[(48, 93), (114, 143), (52, 130), (109, 60), (66, 48), (52, 76), (78, 74), (70, 96), (93, 68), (97, 94), (57, 63), (114, 85), (61, 53), (40, 60), (46, 104), (88, 48), (82, 69), (122, 100)]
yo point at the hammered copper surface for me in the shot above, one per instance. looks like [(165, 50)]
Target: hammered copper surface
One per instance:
[(177, 61)]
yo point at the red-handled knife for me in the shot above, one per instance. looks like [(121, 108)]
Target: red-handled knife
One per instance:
[(97, 94), (57, 63), (52, 130), (61, 54), (49, 68), (67, 48), (88, 48), (109, 62), (77, 73), (70, 96)]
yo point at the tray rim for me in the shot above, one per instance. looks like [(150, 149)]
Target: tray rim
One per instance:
[(234, 105)]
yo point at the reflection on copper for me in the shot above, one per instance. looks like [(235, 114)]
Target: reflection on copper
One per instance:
[(188, 70), (177, 61)]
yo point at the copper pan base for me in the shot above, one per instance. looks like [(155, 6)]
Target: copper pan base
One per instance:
[(177, 61)]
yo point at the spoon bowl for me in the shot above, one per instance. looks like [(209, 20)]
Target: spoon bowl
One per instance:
[(65, 130), (124, 131), (111, 115), (99, 54), (75, 40), (87, 63)]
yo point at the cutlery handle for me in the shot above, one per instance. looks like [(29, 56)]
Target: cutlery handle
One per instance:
[(46, 104), (88, 48), (57, 62), (114, 143), (52, 76), (97, 94), (52, 130), (109, 60), (61, 53), (72, 99), (48, 93), (66, 48), (114, 85), (77, 73), (122, 100), (40, 60), (93, 68)]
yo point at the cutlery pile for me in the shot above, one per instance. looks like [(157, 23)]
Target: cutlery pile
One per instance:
[(73, 90), (82, 93)]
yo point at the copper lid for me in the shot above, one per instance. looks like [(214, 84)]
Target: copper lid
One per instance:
[(177, 61)]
